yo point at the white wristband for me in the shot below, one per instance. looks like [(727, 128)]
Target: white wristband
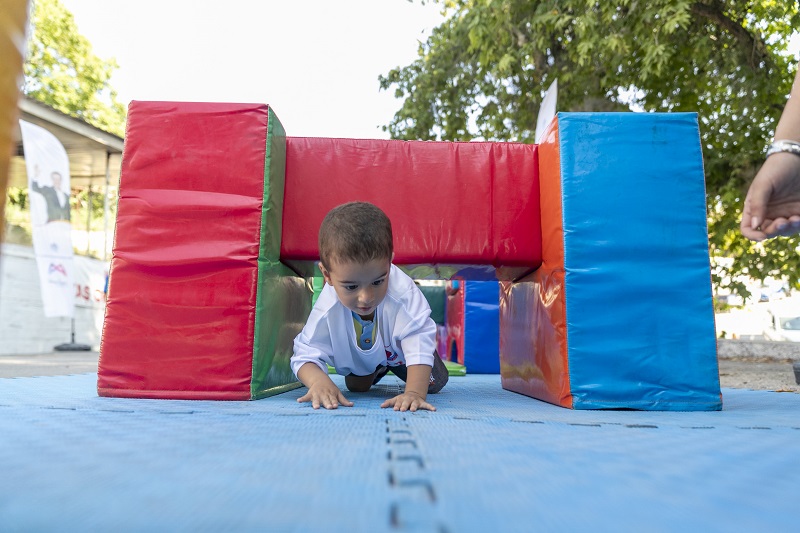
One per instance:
[(783, 145)]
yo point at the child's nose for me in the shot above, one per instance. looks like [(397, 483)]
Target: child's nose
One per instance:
[(365, 295)]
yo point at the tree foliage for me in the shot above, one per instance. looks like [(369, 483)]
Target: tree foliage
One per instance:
[(63, 72), (484, 71)]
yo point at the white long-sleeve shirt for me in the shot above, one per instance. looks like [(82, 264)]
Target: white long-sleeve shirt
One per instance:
[(406, 332)]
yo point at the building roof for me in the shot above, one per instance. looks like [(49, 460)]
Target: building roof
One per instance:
[(89, 148)]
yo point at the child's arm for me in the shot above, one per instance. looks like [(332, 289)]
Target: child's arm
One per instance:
[(413, 398), (321, 390)]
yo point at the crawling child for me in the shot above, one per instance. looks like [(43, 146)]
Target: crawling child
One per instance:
[(370, 318)]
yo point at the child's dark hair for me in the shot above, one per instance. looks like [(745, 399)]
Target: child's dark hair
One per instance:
[(355, 232)]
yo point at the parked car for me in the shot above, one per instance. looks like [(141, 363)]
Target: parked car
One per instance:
[(784, 321)]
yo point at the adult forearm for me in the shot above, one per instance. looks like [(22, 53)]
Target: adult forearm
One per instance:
[(789, 125)]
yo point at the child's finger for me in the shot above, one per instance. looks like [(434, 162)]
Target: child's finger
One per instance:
[(331, 404), (409, 404), (387, 403), (421, 404), (426, 405), (344, 401)]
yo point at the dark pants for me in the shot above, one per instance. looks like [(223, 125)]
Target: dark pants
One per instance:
[(439, 375)]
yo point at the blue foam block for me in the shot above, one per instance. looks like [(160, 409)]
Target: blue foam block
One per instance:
[(482, 327), (640, 317)]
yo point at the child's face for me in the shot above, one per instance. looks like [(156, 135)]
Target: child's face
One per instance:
[(359, 286)]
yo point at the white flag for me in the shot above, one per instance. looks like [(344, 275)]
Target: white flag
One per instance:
[(48, 185), (547, 110)]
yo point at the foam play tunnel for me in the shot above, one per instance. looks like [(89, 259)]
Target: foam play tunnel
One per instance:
[(199, 305), (620, 314), (598, 237)]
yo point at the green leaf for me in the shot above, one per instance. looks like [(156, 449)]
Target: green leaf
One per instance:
[(63, 72)]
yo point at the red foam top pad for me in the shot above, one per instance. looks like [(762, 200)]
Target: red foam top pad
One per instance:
[(450, 203), (184, 271)]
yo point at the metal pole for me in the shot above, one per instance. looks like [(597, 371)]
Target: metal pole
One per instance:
[(89, 222), (106, 207)]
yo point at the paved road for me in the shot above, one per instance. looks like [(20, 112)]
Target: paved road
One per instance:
[(47, 364), (758, 375), (761, 374)]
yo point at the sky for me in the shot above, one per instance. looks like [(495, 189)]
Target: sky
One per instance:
[(315, 62)]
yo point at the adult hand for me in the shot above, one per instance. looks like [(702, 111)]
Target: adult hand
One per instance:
[(772, 205)]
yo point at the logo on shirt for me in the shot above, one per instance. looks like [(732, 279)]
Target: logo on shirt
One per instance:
[(390, 356)]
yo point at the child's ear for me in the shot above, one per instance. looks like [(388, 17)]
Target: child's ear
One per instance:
[(325, 273)]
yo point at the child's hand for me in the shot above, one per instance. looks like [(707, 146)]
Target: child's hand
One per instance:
[(325, 393), (408, 401)]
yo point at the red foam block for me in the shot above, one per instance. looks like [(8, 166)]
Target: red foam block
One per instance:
[(450, 203), (181, 304)]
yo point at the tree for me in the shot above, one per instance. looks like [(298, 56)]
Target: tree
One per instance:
[(63, 72), (484, 71)]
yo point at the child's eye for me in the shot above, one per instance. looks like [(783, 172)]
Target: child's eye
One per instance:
[(350, 287), (379, 282)]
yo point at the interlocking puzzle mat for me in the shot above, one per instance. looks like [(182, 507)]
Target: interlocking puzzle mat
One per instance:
[(487, 460)]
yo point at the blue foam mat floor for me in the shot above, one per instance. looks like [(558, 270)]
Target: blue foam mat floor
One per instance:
[(488, 459)]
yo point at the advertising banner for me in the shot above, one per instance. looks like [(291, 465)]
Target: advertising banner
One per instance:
[(91, 276), (48, 182)]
